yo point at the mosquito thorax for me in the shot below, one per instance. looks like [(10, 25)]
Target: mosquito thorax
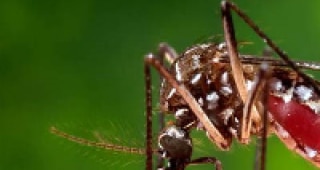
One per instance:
[(212, 85)]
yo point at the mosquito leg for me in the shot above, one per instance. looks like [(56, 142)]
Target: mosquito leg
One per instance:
[(165, 52), (206, 160), (148, 100), (271, 44), (220, 141), (257, 154), (261, 85), (265, 125), (261, 142), (237, 71), (267, 52), (231, 42)]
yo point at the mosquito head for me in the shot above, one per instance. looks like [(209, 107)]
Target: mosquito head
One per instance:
[(175, 143)]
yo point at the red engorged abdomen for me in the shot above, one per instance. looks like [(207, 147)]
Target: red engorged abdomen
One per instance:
[(302, 123)]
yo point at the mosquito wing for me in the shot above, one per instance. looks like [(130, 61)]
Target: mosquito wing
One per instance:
[(257, 60)]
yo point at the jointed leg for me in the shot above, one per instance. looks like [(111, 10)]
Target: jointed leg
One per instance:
[(271, 44), (148, 98), (261, 85), (231, 42), (237, 71), (265, 122), (165, 54), (205, 160), (150, 60)]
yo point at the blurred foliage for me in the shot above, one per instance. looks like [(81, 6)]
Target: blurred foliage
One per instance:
[(79, 65)]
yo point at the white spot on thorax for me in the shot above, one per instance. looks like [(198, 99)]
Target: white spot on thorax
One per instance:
[(178, 72), (180, 112), (188, 51), (225, 78), (227, 114), (236, 120), (196, 78), (195, 61), (171, 93), (226, 90), (212, 99), (233, 131), (209, 81), (191, 49), (164, 154), (204, 46), (222, 46), (200, 101), (216, 60)]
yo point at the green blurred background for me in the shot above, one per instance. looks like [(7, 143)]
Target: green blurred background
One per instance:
[(78, 65)]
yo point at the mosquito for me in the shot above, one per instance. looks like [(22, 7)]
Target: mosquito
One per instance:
[(211, 87)]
